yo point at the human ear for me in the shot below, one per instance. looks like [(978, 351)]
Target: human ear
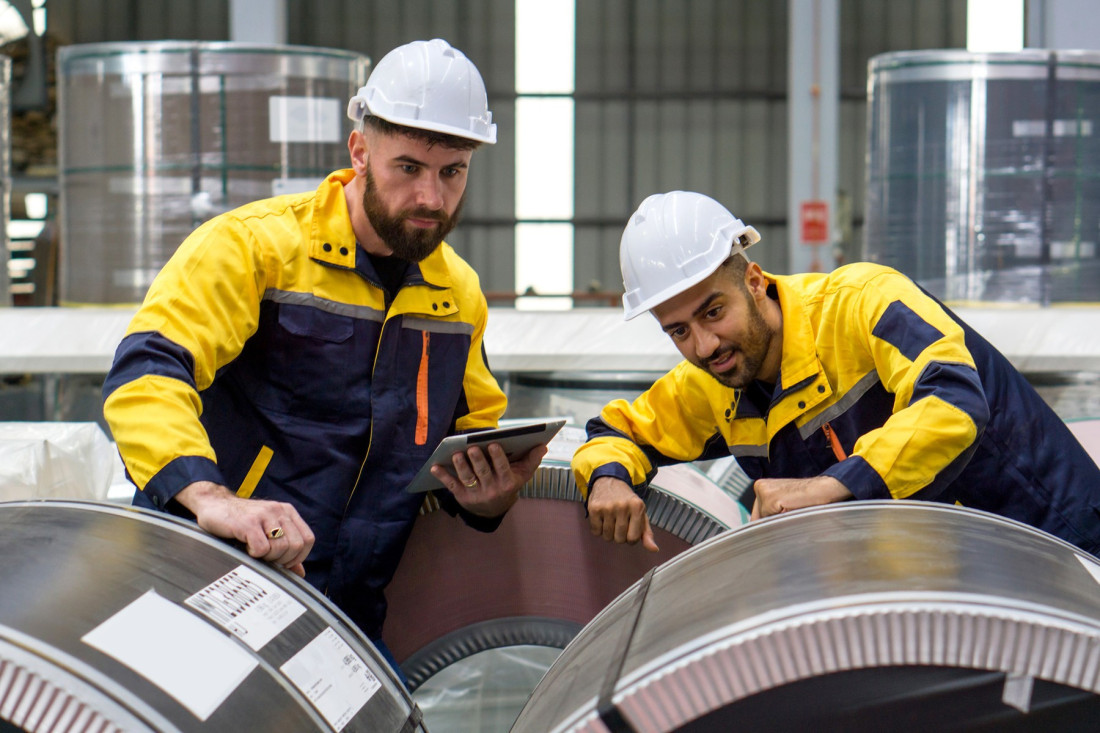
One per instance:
[(755, 282), (357, 149)]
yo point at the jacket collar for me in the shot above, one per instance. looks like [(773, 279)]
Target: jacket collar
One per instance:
[(799, 361), (332, 240)]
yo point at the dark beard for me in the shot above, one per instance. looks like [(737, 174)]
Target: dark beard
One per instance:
[(754, 349), (407, 245)]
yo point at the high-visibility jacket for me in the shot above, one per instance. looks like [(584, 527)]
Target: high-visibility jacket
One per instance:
[(881, 387), (264, 359)]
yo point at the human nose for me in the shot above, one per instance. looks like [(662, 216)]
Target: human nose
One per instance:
[(706, 343), (429, 193)]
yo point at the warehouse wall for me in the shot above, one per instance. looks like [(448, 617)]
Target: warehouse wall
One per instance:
[(669, 94)]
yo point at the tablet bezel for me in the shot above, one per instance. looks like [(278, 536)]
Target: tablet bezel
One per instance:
[(516, 440)]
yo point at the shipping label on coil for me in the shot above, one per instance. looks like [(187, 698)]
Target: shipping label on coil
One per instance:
[(247, 605), (304, 120), (193, 662), (334, 678)]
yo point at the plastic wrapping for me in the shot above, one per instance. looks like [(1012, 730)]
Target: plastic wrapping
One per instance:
[(53, 460), (982, 173), (483, 693), (158, 137)]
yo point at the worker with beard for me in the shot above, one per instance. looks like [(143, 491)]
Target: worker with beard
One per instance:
[(298, 359), (826, 387)]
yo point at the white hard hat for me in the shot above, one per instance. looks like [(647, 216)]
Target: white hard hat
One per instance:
[(673, 241), (430, 86)]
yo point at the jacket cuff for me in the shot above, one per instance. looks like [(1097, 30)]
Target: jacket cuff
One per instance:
[(450, 504), (858, 477), (177, 475), (481, 524)]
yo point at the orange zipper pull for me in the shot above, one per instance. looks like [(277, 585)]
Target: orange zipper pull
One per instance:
[(421, 436), (834, 441)]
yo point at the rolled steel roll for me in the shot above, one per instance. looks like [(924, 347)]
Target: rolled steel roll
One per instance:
[(157, 137), (982, 173), (117, 619), (857, 617), (542, 575)]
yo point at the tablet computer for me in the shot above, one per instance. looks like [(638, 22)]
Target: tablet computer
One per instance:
[(516, 440)]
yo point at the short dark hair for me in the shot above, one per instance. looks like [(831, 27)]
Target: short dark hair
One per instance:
[(734, 267), (429, 137)]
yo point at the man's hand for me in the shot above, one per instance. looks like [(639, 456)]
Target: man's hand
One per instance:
[(778, 495), (488, 485), (617, 513), (270, 530)]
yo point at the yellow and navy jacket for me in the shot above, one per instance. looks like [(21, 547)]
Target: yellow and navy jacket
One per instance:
[(264, 359), (881, 387)]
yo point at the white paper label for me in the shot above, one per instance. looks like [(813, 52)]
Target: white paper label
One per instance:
[(333, 677), (303, 120), (248, 605), (175, 650)]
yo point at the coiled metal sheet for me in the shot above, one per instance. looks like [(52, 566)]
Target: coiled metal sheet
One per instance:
[(541, 576), (124, 620), (158, 137), (859, 616)]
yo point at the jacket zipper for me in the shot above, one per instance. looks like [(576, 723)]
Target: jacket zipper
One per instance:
[(834, 442), (422, 393)]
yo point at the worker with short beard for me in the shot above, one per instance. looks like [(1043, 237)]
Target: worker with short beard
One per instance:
[(853, 384), (298, 359)]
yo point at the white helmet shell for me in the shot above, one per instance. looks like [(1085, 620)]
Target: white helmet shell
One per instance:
[(430, 86), (673, 241)]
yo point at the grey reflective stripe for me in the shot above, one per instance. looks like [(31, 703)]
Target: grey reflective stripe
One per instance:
[(752, 451), (428, 324), (361, 312), (838, 408)]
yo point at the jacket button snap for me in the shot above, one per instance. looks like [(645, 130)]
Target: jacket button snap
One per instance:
[(326, 247), (821, 388), (801, 404), (344, 251), (435, 306), (446, 304)]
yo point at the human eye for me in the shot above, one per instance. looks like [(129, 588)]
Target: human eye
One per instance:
[(452, 172), (677, 333), (408, 168), (713, 313)]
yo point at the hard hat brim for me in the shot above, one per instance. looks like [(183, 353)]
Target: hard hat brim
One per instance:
[(489, 138), (738, 247)]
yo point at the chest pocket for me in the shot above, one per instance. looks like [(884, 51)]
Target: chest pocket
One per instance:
[(319, 363), (315, 324)]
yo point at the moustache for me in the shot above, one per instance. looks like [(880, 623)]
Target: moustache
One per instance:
[(718, 356), (424, 214)]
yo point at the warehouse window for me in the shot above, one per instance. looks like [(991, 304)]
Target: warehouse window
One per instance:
[(544, 151), (994, 25)]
